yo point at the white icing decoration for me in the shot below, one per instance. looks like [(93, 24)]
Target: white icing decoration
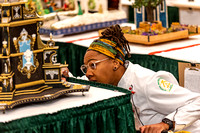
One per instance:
[(52, 73)]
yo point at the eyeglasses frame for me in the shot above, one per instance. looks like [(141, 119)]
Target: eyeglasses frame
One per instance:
[(96, 62)]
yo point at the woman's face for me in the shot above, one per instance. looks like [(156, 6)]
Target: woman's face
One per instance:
[(103, 72)]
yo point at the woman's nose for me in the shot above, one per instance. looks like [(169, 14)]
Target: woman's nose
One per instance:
[(89, 73)]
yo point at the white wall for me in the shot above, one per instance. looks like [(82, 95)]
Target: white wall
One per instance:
[(189, 12), (184, 3), (127, 2)]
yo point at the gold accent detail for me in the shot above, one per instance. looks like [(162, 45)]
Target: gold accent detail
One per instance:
[(7, 93), (16, 54), (38, 51), (20, 23), (8, 40), (11, 4), (22, 53), (55, 66), (53, 82), (9, 75), (25, 71), (18, 86), (8, 13), (30, 11), (4, 57), (77, 86), (52, 56), (15, 41), (23, 91), (52, 79), (6, 98), (6, 102), (41, 45), (19, 14), (20, 67), (2, 78), (51, 48), (27, 93)]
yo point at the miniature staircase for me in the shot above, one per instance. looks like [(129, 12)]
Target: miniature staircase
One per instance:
[(6, 96), (32, 91)]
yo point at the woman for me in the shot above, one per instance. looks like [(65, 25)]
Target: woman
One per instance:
[(159, 102)]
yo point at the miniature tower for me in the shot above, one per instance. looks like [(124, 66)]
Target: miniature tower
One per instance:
[(52, 73), (26, 62)]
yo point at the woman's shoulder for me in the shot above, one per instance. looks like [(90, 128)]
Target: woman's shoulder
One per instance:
[(140, 70), (141, 73)]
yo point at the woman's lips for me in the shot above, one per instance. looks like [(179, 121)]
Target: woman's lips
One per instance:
[(92, 80)]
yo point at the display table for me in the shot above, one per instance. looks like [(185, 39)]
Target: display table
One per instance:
[(104, 108), (185, 48)]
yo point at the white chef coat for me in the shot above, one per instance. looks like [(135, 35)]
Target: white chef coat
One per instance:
[(158, 95)]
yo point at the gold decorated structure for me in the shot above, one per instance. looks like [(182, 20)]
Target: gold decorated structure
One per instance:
[(29, 71)]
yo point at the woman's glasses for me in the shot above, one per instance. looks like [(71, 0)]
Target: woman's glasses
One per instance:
[(92, 65)]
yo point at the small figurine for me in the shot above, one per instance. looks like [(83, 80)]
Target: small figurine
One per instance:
[(5, 50), (6, 61), (69, 5), (50, 43), (100, 8), (66, 5), (28, 56), (52, 6)]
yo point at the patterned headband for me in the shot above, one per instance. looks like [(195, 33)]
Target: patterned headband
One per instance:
[(108, 48)]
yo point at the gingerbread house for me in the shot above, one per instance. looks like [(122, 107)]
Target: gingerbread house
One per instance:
[(29, 71), (95, 15), (160, 14)]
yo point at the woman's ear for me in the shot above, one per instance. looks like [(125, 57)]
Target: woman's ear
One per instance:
[(116, 64)]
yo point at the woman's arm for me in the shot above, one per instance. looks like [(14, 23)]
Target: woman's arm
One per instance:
[(178, 104)]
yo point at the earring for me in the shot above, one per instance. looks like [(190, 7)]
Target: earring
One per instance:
[(115, 68)]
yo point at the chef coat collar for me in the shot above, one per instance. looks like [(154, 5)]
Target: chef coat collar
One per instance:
[(126, 80)]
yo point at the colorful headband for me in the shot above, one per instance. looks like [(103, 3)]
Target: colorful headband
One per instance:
[(108, 48)]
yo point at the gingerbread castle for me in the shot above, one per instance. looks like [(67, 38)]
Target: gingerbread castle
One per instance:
[(29, 71)]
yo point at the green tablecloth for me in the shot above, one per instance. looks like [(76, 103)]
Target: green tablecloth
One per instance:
[(73, 55), (113, 115)]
